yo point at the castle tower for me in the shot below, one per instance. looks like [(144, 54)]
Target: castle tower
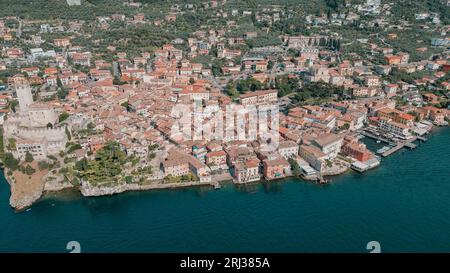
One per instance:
[(23, 91)]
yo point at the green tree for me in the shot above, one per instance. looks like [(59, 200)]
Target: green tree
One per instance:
[(81, 165), (63, 116), (153, 147), (345, 127), (106, 166), (295, 167), (231, 89), (11, 143), (11, 162), (13, 104), (29, 170), (128, 179), (43, 165), (28, 157), (74, 147)]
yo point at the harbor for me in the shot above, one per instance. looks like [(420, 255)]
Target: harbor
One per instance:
[(393, 144)]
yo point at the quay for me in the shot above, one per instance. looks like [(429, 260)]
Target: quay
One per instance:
[(373, 136)]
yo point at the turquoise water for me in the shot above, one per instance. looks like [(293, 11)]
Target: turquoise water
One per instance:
[(404, 204)]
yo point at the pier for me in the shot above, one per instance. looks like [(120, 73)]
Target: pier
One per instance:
[(393, 150), (409, 144), (395, 145), (422, 138)]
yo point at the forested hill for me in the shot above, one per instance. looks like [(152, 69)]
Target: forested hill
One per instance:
[(59, 9)]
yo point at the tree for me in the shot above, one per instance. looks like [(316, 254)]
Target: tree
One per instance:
[(286, 85), (63, 116), (42, 165), (62, 93), (74, 147), (106, 166), (49, 125), (29, 170), (11, 143), (151, 156), (117, 81), (28, 157), (216, 70), (345, 127), (249, 84), (13, 105), (11, 162), (128, 179), (81, 165), (153, 147), (270, 64), (295, 167), (231, 89)]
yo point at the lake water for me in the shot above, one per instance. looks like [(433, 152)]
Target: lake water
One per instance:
[(404, 204)]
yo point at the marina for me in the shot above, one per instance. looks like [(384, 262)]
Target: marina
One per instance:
[(394, 144)]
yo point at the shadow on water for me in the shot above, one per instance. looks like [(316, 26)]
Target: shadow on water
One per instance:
[(273, 187), (249, 188)]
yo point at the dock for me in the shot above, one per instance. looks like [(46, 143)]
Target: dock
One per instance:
[(382, 150), (422, 138), (409, 144), (395, 149)]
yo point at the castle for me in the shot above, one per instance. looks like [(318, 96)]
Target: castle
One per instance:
[(32, 127)]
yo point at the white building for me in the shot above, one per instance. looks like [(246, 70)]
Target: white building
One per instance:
[(330, 144), (395, 128), (288, 149)]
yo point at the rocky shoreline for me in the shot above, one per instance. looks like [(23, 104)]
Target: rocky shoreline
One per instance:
[(18, 200), (88, 190)]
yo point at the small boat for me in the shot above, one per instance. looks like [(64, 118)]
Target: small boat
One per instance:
[(378, 141), (28, 210)]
